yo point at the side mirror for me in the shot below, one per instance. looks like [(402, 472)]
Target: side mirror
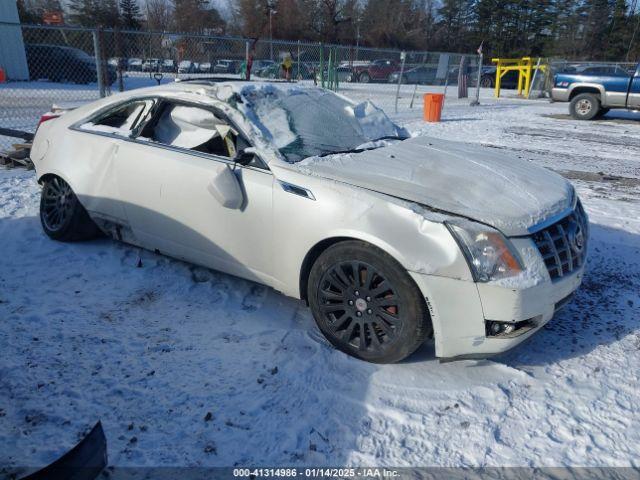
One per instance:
[(225, 188), (245, 156)]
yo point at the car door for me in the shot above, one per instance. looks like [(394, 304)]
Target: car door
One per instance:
[(166, 177), (96, 142), (616, 85), (633, 99)]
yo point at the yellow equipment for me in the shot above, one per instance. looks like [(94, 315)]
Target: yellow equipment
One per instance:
[(524, 66)]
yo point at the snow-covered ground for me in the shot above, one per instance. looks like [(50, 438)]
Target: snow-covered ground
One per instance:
[(185, 366)]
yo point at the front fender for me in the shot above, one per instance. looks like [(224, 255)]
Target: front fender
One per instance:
[(417, 239)]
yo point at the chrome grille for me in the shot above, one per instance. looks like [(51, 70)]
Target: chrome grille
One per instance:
[(563, 245)]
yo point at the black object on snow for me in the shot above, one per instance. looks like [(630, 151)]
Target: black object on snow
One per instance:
[(85, 461)]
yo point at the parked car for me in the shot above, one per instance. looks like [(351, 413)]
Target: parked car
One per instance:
[(204, 67), (63, 64), (186, 66), (424, 74), (168, 65), (488, 79), (134, 65), (376, 71), (118, 62), (343, 73), (298, 71), (596, 90), (226, 66), (261, 64), (390, 239), (151, 65)]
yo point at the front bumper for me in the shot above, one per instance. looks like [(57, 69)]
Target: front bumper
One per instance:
[(560, 94), (460, 309)]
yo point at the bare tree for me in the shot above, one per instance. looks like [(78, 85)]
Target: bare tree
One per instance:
[(159, 15)]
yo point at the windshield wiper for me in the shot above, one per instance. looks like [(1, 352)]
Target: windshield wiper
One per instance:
[(390, 137), (359, 150), (337, 152)]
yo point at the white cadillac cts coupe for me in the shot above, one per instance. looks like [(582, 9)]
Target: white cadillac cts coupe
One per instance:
[(389, 239)]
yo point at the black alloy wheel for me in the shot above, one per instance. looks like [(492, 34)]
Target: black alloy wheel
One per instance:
[(366, 304)]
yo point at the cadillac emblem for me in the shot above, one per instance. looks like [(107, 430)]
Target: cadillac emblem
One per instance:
[(575, 236)]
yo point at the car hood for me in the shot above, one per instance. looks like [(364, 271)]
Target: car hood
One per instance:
[(476, 182)]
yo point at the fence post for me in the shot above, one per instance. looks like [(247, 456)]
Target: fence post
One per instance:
[(298, 62), (246, 60), (119, 56), (476, 102), (533, 79), (97, 52), (403, 56), (337, 64), (321, 65)]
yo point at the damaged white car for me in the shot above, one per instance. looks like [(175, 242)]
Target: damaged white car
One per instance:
[(389, 239)]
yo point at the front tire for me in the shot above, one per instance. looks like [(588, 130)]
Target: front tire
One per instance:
[(585, 106), (486, 82), (62, 216), (364, 78), (366, 304)]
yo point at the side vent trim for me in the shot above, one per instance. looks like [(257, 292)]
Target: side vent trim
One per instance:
[(296, 190)]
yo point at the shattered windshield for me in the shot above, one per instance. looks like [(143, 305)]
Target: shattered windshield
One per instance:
[(305, 122)]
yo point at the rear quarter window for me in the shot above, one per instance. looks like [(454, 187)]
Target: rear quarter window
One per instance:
[(121, 120)]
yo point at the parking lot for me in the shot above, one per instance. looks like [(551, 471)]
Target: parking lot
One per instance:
[(189, 367)]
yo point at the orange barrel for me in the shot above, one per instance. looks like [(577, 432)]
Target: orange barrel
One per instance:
[(433, 106), (3, 76)]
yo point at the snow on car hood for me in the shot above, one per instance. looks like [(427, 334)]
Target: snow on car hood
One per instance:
[(507, 193)]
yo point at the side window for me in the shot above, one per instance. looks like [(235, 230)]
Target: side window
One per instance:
[(194, 128), (120, 121)]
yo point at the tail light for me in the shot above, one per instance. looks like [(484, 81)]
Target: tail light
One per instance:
[(46, 117)]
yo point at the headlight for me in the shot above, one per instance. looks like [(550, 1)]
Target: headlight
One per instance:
[(489, 253)]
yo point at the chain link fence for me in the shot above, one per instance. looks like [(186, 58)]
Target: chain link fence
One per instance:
[(61, 65)]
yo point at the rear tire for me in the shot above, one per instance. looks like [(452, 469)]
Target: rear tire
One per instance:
[(366, 304), (62, 216), (364, 78), (486, 82), (584, 106)]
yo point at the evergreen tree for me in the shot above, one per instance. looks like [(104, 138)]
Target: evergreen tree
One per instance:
[(596, 28), (619, 37), (94, 13), (455, 23), (130, 16)]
